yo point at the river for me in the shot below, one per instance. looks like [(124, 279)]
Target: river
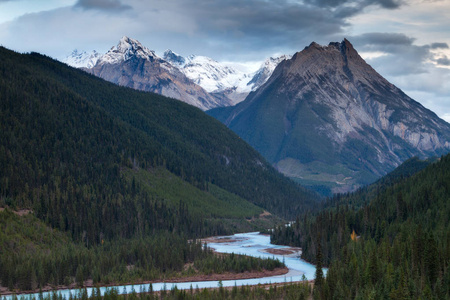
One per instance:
[(252, 244)]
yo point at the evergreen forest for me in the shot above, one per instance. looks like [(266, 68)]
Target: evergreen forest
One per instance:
[(390, 240)]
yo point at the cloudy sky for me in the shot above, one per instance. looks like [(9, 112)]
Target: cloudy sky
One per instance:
[(406, 41)]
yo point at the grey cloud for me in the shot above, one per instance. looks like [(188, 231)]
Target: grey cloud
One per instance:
[(384, 39), (402, 56), (348, 8), (439, 46), (264, 17), (109, 5), (443, 61), (253, 27), (390, 4)]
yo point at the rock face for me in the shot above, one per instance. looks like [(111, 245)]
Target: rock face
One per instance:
[(132, 65), (329, 120)]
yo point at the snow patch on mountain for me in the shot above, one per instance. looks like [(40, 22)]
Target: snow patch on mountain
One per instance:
[(214, 76), (82, 59), (265, 71), (219, 77)]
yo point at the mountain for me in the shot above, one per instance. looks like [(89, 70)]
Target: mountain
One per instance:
[(132, 65), (206, 83), (327, 119)]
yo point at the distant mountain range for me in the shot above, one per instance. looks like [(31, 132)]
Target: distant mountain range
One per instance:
[(197, 80), (327, 119)]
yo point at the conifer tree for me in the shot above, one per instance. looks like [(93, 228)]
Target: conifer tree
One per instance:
[(318, 282)]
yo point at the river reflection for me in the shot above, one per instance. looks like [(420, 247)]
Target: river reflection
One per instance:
[(252, 244)]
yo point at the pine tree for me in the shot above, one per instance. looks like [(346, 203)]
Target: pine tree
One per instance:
[(318, 282)]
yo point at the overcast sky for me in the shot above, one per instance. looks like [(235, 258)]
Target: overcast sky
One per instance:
[(406, 41)]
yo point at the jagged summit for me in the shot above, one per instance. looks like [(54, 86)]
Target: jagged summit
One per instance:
[(174, 58), (126, 49), (326, 116)]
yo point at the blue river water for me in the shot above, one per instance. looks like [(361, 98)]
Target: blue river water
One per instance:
[(252, 244)]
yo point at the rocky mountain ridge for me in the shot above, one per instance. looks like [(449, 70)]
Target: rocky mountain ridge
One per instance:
[(198, 80), (132, 65), (328, 119)]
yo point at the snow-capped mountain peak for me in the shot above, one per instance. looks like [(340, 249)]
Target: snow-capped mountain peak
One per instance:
[(82, 59), (126, 49)]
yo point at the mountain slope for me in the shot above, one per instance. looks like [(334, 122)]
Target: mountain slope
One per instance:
[(326, 118)]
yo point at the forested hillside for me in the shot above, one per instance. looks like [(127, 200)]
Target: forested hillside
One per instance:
[(388, 241), (102, 164)]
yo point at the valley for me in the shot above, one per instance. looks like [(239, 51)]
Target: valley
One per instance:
[(106, 179)]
